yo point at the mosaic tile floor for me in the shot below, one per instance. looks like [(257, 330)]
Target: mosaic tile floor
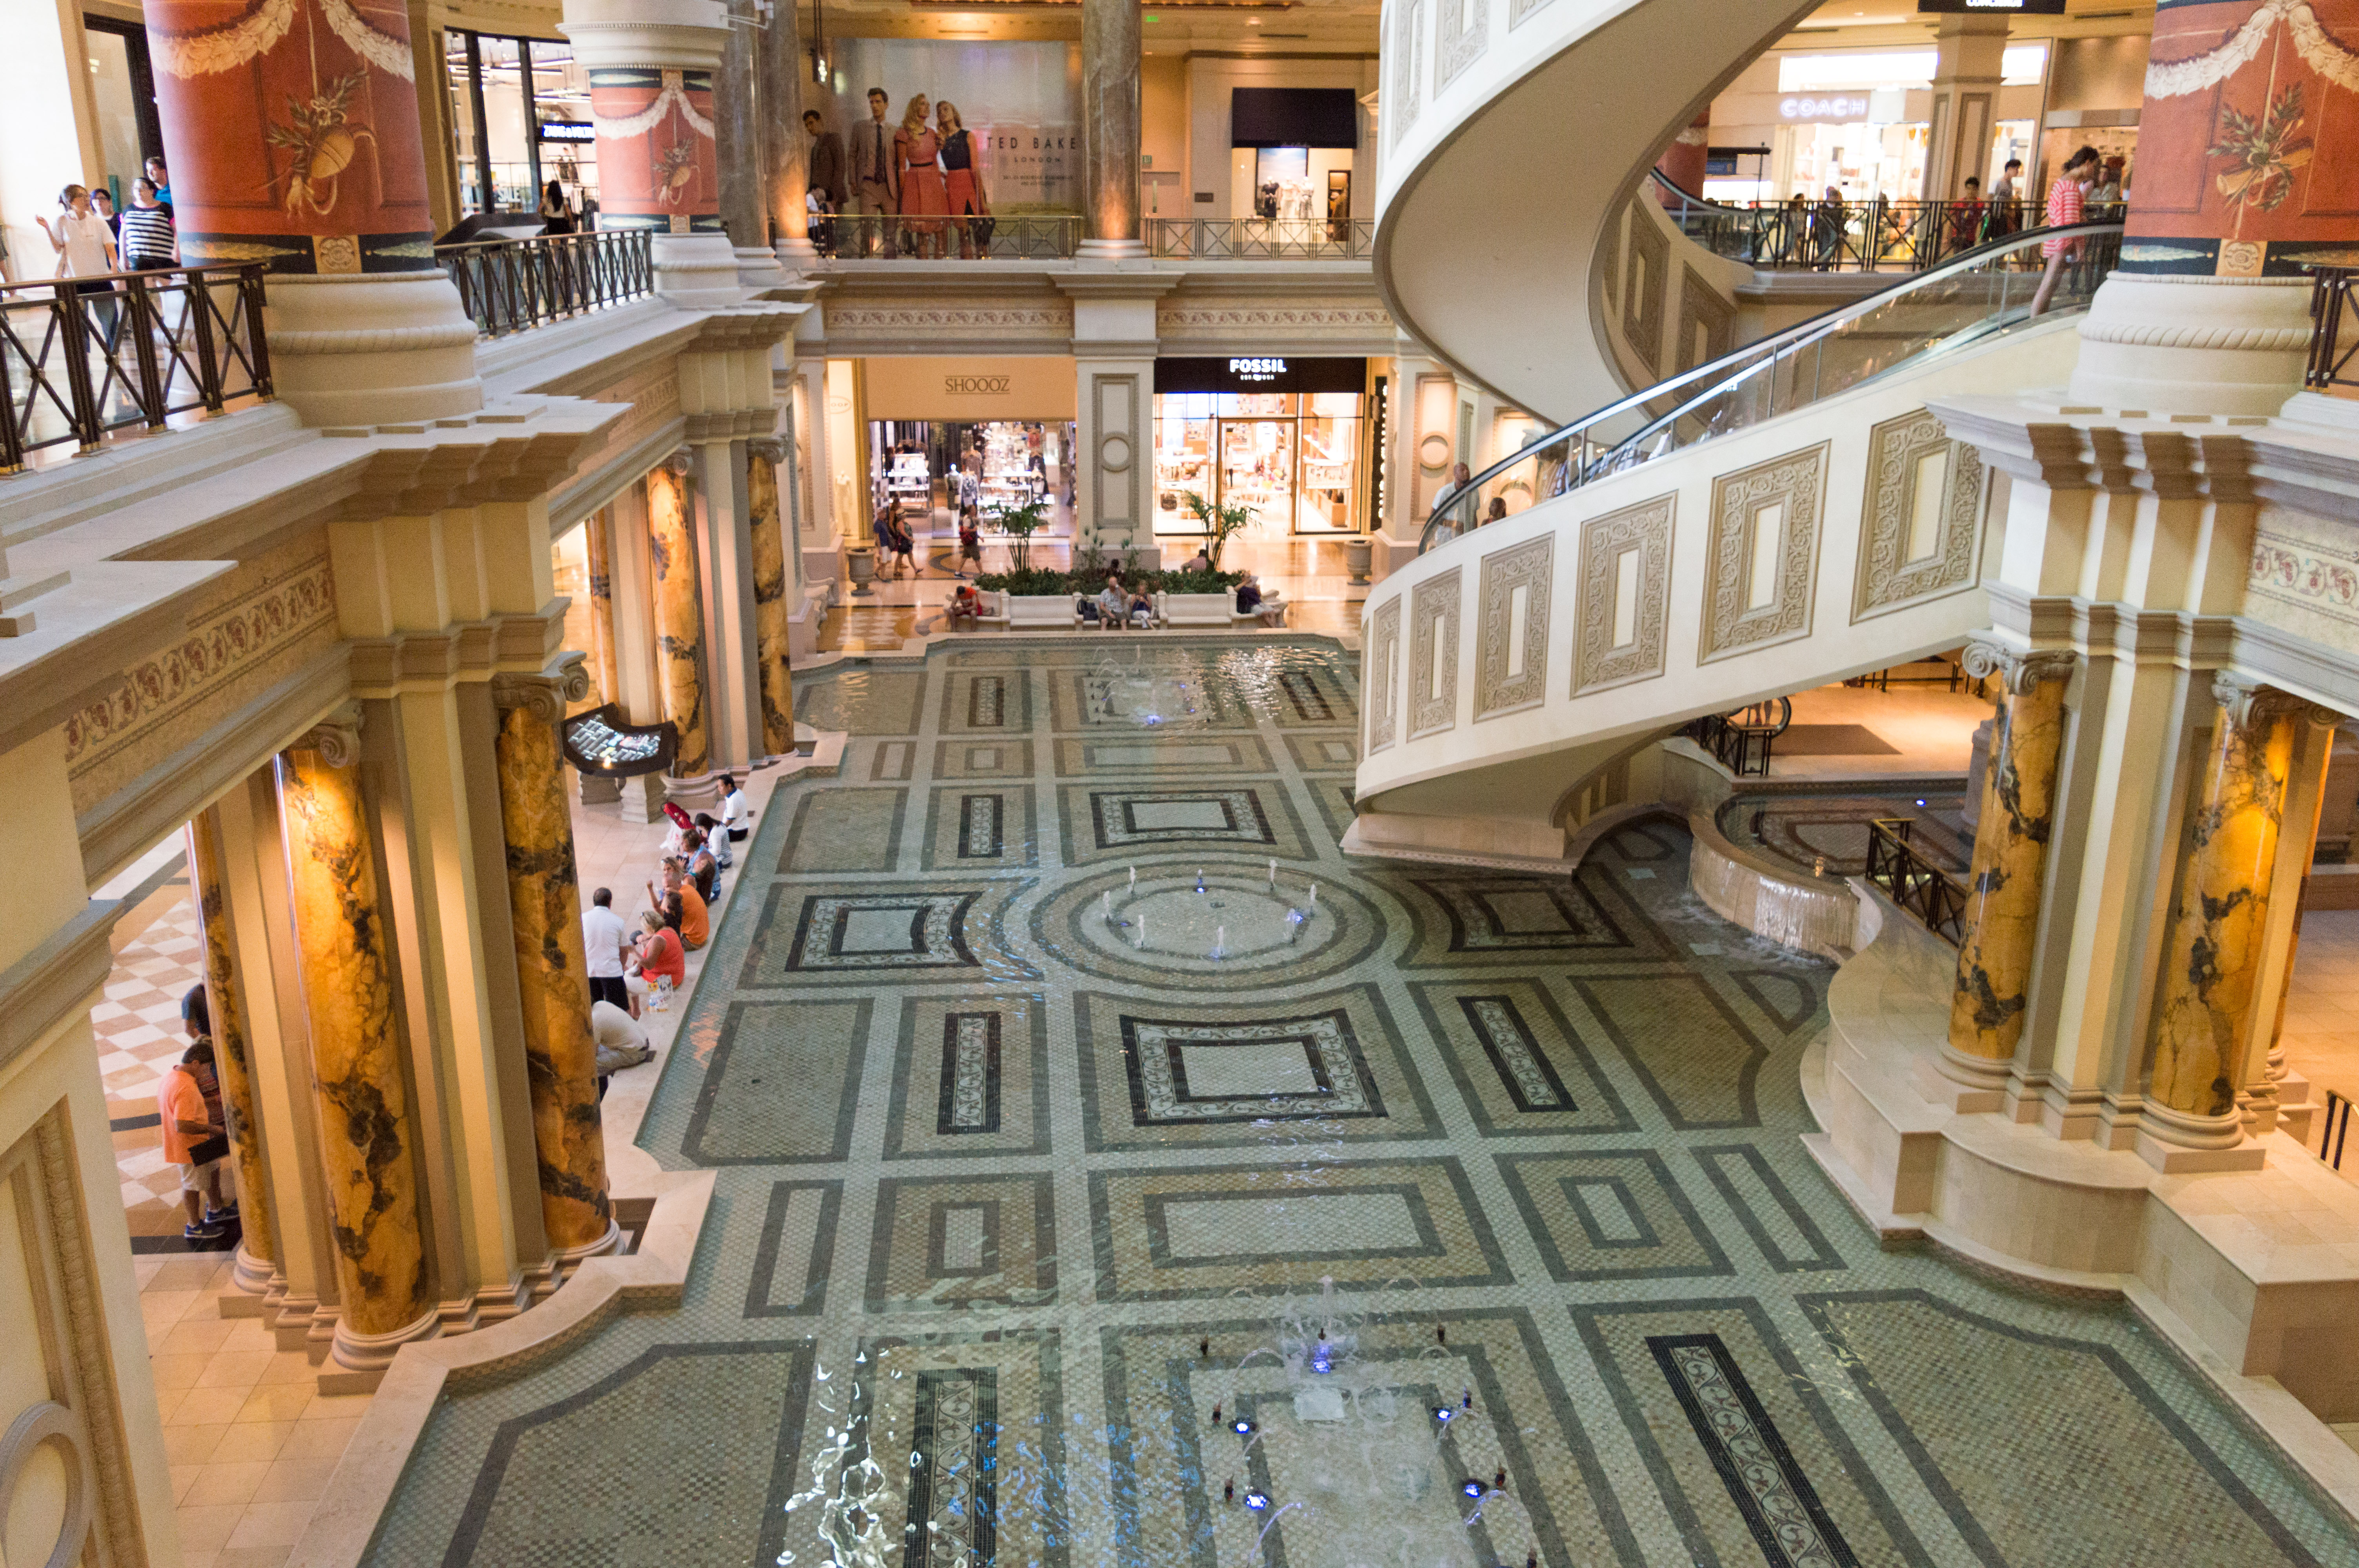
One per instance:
[(1043, 1237)]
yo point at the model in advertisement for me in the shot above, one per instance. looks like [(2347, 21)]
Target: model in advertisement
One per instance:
[(917, 153), (970, 205)]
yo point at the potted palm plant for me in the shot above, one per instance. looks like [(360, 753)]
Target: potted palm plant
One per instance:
[(1221, 521)]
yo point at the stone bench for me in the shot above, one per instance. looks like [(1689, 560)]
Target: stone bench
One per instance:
[(1031, 611), (1208, 610)]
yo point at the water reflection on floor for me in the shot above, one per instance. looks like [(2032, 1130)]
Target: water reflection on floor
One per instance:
[(1447, 1216)]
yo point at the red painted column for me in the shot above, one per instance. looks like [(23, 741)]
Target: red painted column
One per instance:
[(2247, 159), (291, 127), (656, 164), (1682, 162)]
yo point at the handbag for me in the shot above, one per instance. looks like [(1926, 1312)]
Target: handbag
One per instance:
[(983, 227)]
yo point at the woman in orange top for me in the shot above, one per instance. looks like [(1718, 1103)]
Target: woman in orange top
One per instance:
[(916, 152), (660, 954)]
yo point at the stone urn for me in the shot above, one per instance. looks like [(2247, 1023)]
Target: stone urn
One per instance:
[(859, 565), (1359, 553)]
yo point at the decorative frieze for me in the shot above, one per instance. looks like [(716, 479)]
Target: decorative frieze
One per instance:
[(1512, 668)]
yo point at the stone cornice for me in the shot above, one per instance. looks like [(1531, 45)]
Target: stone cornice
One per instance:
[(2226, 461), (757, 325), (63, 974), (1115, 284), (512, 453), (473, 650)]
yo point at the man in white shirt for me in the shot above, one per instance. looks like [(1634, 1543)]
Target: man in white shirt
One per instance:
[(734, 812), (602, 937)]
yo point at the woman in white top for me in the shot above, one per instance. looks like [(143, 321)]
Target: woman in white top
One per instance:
[(85, 248)]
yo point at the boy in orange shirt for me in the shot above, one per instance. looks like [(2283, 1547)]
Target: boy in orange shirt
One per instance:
[(194, 1138)]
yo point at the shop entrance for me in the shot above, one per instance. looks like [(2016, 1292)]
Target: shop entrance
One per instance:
[(945, 436), (1295, 458)]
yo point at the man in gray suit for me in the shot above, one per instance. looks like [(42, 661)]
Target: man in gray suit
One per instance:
[(825, 181), (874, 187)]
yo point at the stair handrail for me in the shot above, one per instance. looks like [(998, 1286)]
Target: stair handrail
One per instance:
[(1715, 376)]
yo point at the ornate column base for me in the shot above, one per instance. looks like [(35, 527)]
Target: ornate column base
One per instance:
[(696, 789), (701, 270), (2177, 1143), (597, 789), (253, 1277), (1972, 1083), (757, 267), (795, 251), (361, 1358), (2194, 345), (380, 348), (643, 799), (1111, 250)]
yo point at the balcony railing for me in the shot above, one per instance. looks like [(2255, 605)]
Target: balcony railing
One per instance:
[(1742, 741), (1917, 886), (84, 357), (890, 236), (1260, 239), (510, 285), (1878, 236), (2334, 331)]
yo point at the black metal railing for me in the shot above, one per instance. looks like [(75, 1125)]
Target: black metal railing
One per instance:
[(1742, 741), (2335, 1131), (1875, 235), (510, 285), (1261, 239), (84, 356), (891, 236), (2332, 322), (1934, 896)]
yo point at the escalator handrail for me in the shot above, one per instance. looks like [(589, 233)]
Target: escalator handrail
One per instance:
[(1741, 361), (1690, 201)]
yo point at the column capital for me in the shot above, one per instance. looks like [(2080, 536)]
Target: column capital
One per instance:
[(544, 694), (2249, 702), (337, 738), (771, 447), (2022, 668), (681, 462)]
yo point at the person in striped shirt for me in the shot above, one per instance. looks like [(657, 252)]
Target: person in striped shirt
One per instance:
[(2066, 197), (149, 241)]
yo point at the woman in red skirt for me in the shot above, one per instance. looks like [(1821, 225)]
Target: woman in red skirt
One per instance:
[(918, 151), (968, 201)]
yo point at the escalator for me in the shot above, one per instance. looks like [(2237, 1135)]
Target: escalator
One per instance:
[(1787, 515)]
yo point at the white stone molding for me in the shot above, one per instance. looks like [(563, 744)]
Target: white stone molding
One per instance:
[(1887, 579), (1433, 613), (1531, 567), (2019, 669), (2171, 344), (1408, 46), (1462, 29), (51, 1423), (1795, 484), (1645, 529), (2249, 702), (1383, 667)]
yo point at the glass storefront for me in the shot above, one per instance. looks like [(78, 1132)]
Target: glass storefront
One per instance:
[(520, 112), (915, 463), (1295, 458)]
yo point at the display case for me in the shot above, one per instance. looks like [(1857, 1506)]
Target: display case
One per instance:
[(910, 480)]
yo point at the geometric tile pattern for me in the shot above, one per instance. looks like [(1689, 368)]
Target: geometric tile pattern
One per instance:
[(1523, 1149)]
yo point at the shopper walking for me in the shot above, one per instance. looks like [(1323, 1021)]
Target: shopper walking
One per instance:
[(875, 178), (969, 202), (85, 248), (2066, 199), (2005, 196)]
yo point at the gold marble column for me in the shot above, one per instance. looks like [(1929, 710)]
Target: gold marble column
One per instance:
[(2211, 957), (2018, 812), (762, 456), (257, 1250), (552, 979), (597, 536), (679, 616), (367, 1141)]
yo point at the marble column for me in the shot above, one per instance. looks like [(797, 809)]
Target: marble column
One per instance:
[(552, 977), (367, 1138), (598, 542), (2203, 1014), (2239, 136), (744, 162), (651, 66), (257, 1249), (2018, 813), (295, 141), (770, 580), (679, 618), (1110, 52), (778, 65), (1969, 52)]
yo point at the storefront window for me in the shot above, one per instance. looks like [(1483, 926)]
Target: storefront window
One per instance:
[(1295, 458), (918, 465), (511, 142)]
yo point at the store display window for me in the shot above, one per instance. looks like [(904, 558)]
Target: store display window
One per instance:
[(937, 468), (1294, 455)]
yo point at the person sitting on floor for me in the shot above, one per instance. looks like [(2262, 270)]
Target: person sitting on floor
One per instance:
[(715, 842), (661, 961), (621, 1042)]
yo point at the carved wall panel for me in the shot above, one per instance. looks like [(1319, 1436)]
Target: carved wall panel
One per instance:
[(1645, 268), (1921, 531), (1764, 554), (1511, 669), (1383, 678), (1462, 29), (1707, 322), (1409, 58), (1433, 654), (1600, 658)]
